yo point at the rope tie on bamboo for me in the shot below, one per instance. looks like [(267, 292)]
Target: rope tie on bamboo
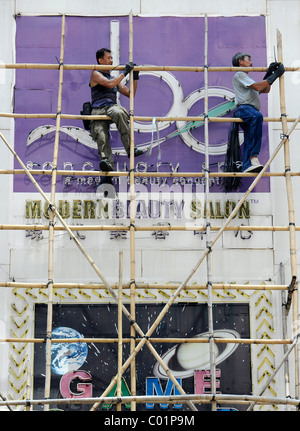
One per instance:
[(284, 136), (132, 225)]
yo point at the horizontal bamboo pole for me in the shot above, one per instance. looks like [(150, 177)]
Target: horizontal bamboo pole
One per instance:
[(158, 399), (152, 340), (143, 174), (137, 118), (149, 228), (147, 68), (153, 286)]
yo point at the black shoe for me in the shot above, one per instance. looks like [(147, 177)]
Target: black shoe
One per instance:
[(106, 180), (105, 166), (137, 152)]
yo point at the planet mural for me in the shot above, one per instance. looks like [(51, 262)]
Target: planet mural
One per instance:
[(67, 357), (184, 359)]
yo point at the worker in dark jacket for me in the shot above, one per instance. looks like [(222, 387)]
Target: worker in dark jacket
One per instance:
[(104, 89)]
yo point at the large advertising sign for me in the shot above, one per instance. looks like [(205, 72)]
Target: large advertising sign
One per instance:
[(83, 370), (172, 146)]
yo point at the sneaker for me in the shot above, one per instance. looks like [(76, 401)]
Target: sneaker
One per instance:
[(255, 162), (256, 168), (137, 152), (105, 166), (106, 180)]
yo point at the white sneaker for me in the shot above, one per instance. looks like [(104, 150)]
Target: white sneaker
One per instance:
[(255, 162), (255, 165)]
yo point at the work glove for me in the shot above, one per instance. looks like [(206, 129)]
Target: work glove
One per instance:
[(128, 68), (136, 74), (272, 67), (276, 74)]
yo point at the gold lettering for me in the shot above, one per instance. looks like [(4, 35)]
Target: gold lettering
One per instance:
[(195, 208), (88, 209), (33, 209), (64, 208), (219, 213), (211, 212), (103, 208), (76, 208), (244, 211), (229, 207)]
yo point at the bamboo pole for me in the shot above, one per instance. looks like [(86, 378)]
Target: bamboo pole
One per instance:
[(51, 222), (195, 228), (120, 329), (208, 231), (257, 341), (145, 174), (44, 66), (171, 399), (132, 214), (28, 385), (291, 213), (137, 118), (143, 286)]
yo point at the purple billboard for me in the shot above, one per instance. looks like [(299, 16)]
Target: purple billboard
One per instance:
[(161, 41)]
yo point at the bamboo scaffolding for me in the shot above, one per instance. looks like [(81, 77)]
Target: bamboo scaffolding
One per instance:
[(271, 377), (291, 212), (182, 285), (146, 338), (98, 272), (51, 222)]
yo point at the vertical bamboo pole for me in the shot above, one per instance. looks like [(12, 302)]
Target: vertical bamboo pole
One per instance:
[(132, 217), (208, 231), (292, 226), (284, 336), (28, 385), (120, 330), (51, 223)]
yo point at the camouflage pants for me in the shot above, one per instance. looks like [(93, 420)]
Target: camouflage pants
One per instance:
[(100, 130)]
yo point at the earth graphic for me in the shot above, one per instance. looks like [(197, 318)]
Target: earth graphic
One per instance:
[(67, 357)]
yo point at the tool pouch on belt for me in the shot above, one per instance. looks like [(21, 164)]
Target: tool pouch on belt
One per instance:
[(86, 110)]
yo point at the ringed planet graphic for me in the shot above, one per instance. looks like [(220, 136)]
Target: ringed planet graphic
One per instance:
[(183, 359)]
